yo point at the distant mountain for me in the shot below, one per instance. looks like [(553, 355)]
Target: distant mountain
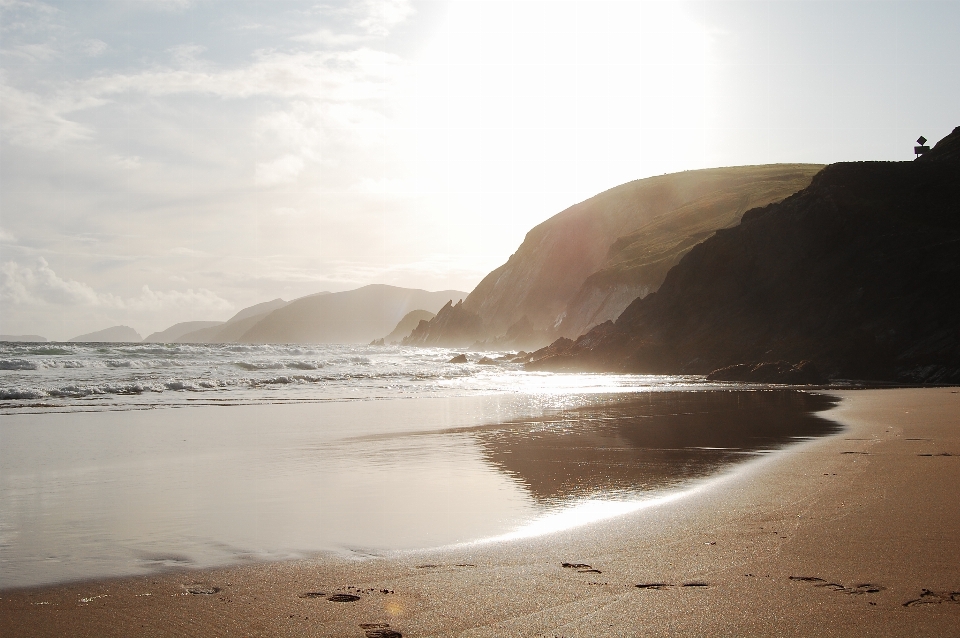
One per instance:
[(176, 331), (406, 325), (263, 308), (116, 334), (355, 316), (584, 265), (859, 274), (231, 330), (23, 338)]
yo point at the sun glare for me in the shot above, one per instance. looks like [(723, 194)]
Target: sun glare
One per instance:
[(513, 112)]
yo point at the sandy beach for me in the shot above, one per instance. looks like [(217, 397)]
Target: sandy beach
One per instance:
[(850, 534)]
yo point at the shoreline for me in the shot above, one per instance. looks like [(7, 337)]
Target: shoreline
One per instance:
[(865, 522)]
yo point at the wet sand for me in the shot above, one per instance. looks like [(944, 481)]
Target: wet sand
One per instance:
[(853, 534)]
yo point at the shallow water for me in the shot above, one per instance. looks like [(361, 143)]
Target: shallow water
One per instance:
[(113, 492)]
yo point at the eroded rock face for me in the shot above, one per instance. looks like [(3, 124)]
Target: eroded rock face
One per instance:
[(858, 273)]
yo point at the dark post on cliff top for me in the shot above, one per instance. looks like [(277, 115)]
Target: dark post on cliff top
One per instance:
[(920, 150)]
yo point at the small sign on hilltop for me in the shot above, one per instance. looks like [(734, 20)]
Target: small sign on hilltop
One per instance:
[(923, 148)]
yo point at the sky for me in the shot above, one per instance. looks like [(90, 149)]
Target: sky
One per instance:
[(177, 160)]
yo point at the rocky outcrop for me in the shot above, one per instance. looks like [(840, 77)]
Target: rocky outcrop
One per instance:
[(859, 273), (804, 373), (586, 264), (453, 327), (406, 325)]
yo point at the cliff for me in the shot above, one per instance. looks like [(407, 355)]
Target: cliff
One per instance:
[(858, 274), (586, 264)]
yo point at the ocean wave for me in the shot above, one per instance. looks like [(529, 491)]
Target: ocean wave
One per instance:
[(7, 394), (18, 364), (260, 365), (305, 365), (50, 351), (181, 385)]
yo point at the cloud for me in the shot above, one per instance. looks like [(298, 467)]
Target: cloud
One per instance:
[(337, 76), (94, 48), (24, 285), (27, 119), (186, 53), (379, 17), (40, 285), (282, 170), (129, 162)]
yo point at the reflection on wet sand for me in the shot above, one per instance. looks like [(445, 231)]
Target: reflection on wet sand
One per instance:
[(638, 443)]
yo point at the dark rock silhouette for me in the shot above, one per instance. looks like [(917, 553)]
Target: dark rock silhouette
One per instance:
[(859, 274), (453, 327), (406, 325)]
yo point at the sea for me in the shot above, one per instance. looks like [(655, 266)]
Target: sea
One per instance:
[(121, 459)]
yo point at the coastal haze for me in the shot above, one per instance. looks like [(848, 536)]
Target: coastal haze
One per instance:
[(397, 318)]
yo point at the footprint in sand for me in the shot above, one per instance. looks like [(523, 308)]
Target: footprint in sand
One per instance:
[(940, 454), (660, 586), (201, 589), (312, 594), (856, 590), (582, 568), (656, 586), (343, 598), (928, 597), (379, 630)]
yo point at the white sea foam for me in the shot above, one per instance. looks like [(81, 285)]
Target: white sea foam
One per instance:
[(69, 375)]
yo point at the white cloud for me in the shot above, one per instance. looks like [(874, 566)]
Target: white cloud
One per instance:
[(40, 285), (379, 17), (195, 300), (131, 162), (94, 48), (24, 285), (329, 39), (282, 170), (6, 236), (342, 75), (28, 119), (286, 211), (186, 53)]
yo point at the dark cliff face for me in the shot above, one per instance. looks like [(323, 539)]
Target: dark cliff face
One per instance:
[(859, 273)]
